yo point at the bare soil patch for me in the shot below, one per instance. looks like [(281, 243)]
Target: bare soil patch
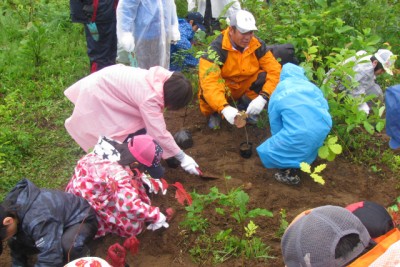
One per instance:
[(217, 151)]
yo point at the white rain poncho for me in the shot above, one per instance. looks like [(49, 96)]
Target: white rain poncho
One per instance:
[(217, 7), (153, 24)]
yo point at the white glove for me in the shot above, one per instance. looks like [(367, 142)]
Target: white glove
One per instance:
[(127, 41), (230, 113), (161, 222), (187, 163), (256, 105), (149, 182), (175, 36)]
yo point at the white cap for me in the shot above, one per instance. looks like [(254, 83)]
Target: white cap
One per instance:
[(387, 59), (243, 20)]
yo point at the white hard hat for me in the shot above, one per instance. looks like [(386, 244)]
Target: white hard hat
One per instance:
[(243, 20), (387, 59)]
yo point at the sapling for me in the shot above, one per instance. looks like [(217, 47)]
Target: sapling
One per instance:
[(305, 167)]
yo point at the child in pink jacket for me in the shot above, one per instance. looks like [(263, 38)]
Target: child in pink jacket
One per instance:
[(119, 101)]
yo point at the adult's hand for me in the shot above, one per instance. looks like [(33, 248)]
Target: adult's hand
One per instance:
[(127, 41), (256, 105), (230, 113)]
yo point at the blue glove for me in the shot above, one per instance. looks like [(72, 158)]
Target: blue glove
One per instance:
[(93, 30)]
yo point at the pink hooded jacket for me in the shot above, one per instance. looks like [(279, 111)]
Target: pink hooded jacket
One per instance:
[(117, 101)]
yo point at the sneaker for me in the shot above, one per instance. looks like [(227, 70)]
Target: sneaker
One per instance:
[(288, 176), (215, 121)]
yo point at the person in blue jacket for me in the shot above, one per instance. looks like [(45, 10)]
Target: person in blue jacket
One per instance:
[(392, 101), (299, 121), (54, 225), (99, 20), (181, 58)]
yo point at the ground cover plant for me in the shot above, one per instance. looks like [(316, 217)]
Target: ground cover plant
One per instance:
[(42, 53)]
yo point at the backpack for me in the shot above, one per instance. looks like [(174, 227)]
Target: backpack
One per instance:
[(284, 53)]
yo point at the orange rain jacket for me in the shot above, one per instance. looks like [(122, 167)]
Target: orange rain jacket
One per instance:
[(384, 242), (239, 70)]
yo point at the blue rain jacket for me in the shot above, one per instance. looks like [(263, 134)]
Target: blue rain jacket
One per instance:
[(299, 121), (180, 48), (392, 100)]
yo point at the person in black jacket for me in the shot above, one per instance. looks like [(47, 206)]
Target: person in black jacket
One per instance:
[(52, 224), (99, 20)]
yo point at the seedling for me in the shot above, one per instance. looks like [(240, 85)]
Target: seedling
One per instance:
[(283, 224), (305, 167)]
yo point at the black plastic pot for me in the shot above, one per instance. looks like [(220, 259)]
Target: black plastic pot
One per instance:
[(246, 149), (183, 139)]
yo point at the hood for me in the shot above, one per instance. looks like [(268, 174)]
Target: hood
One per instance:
[(156, 77), (290, 70), (21, 197)]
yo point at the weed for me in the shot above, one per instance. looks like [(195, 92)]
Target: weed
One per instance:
[(283, 224), (241, 242)]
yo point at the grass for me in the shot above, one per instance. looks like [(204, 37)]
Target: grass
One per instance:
[(33, 108)]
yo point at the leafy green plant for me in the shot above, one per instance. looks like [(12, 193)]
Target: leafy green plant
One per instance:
[(283, 223), (330, 148), (315, 175), (241, 242), (32, 46)]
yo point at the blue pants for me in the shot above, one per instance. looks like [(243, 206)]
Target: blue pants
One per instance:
[(102, 53)]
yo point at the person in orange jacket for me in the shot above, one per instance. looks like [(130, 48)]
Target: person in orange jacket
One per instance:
[(383, 231), (362, 234), (249, 71)]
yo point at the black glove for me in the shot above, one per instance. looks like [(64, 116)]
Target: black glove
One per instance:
[(258, 84)]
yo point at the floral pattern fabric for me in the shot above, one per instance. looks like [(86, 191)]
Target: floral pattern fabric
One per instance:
[(117, 195)]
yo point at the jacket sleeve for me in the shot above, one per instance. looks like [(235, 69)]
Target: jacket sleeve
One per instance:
[(126, 15), (212, 86), (47, 236), (153, 117), (273, 69), (174, 18)]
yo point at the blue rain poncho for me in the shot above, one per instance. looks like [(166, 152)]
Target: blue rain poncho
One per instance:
[(299, 121), (392, 100), (153, 24)]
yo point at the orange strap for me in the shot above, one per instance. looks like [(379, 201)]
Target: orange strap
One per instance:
[(384, 242)]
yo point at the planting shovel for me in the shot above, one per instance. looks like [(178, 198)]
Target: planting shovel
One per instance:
[(207, 175)]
